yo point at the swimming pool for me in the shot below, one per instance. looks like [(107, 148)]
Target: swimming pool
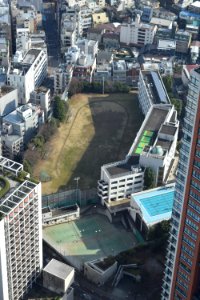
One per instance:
[(155, 204)]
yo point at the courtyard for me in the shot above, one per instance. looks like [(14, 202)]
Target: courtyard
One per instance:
[(88, 238)]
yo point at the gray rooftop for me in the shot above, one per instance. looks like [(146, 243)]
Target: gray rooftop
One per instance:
[(156, 119), (122, 168), (168, 129), (58, 269), (31, 56), (155, 87)]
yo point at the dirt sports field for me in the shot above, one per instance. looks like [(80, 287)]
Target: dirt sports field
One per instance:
[(100, 129)]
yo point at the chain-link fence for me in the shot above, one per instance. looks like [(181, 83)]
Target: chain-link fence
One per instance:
[(71, 197)]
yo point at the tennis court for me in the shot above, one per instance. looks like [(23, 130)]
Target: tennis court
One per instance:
[(88, 238)]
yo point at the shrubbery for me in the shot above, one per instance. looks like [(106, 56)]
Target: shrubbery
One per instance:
[(77, 86)]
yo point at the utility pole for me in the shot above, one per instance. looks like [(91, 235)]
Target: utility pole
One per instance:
[(77, 180), (103, 86)]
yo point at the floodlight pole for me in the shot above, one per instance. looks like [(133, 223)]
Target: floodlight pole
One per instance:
[(103, 86), (77, 180)]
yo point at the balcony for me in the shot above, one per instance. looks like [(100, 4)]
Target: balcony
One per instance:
[(102, 183)]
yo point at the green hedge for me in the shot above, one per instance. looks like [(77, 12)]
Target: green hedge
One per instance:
[(5, 186)]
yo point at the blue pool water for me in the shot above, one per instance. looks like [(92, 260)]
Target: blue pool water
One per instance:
[(156, 205)]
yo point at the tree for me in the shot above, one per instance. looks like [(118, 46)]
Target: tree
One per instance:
[(167, 80), (27, 166), (178, 105), (59, 109), (159, 231), (149, 179), (75, 87)]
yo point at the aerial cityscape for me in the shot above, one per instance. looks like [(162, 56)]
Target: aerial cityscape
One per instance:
[(100, 149)]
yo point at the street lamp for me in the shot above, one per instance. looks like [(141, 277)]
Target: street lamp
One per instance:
[(77, 180)]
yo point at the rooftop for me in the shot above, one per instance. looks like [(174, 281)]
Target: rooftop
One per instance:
[(161, 22), (122, 168), (155, 87), (166, 45), (58, 269), (168, 129), (31, 56), (155, 205), (152, 125), (19, 194), (5, 89)]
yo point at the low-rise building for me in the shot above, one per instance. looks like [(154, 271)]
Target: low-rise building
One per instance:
[(62, 77), (137, 33), (85, 67), (88, 47), (41, 97), (60, 215), (19, 126), (148, 208), (99, 271), (153, 147), (4, 52), (183, 40), (99, 18), (58, 277), (119, 70), (28, 74), (151, 90), (163, 23), (8, 100), (111, 40)]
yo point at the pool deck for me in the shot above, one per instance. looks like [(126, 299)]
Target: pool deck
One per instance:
[(155, 204)]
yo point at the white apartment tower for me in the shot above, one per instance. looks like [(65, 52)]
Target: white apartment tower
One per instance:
[(21, 235)]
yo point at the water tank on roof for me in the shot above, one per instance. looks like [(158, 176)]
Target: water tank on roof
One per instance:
[(158, 150)]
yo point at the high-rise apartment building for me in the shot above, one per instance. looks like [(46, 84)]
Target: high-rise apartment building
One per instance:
[(20, 232), (182, 276)]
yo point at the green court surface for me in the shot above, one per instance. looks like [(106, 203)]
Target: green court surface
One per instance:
[(144, 141), (88, 238)]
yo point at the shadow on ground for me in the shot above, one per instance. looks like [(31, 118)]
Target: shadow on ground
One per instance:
[(116, 124)]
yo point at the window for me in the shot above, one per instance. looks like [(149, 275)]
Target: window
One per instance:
[(194, 205), (190, 233), (197, 163), (193, 215), (194, 195), (180, 291), (186, 259), (195, 185), (196, 174), (184, 267), (181, 282), (192, 224), (187, 250), (188, 241)]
